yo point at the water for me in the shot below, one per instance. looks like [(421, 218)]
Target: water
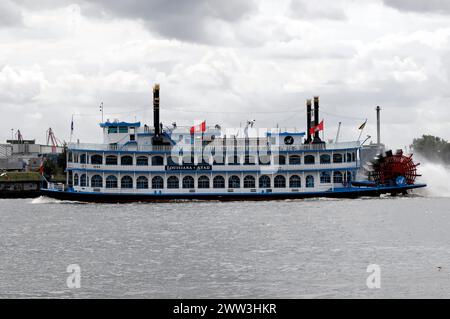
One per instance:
[(294, 249)]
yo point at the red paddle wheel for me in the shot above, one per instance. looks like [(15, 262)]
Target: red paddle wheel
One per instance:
[(395, 168)]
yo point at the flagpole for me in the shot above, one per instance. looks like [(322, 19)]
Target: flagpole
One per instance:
[(323, 133), (202, 147), (360, 133)]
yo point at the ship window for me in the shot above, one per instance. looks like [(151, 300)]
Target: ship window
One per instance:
[(142, 161), (70, 179), (294, 160), (349, 157), (310, 159), (173, 182), (219, 182), (188, 159), (70, 157), (279, 181), (249, 181), (142, 182), (188, 182), (126, 182), (325, 159), (234, 182), (96, 181), (112, 129), (97, 159), (123, 129), (157, 161), (203, 182), (75, 180), (157, 182), (126, 160), (280, 160), (337, 158), (325, 177), (111, 160), (111, 182), (83, 180), (249, 160), (264, 160), (233, 160), (83, 158), (310, 181), (295, 181), (172, 160), (353, 156), (264, 181), (337, 177)]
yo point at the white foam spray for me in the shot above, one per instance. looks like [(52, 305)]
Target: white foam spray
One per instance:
[(44, 200), (437, 178)]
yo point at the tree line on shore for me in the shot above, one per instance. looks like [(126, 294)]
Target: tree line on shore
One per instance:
[(432, 148)]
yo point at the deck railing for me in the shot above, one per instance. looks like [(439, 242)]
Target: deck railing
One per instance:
[(218, 148)]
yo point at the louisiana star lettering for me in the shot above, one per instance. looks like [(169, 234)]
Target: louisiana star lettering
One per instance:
[(188, 167)]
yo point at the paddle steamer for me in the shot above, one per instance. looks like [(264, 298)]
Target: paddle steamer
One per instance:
[(137, 162)]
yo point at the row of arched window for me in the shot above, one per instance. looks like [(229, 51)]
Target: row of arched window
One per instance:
[(188, 182), (127, 160)]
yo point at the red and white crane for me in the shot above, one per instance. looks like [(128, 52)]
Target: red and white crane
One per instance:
[(51, 138)]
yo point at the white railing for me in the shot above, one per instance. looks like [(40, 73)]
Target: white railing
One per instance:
[(217, 147), (230, 168)]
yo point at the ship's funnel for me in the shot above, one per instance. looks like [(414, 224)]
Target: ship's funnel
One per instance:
[(156, 110), (316, 139), (378, 109), (308, 122)]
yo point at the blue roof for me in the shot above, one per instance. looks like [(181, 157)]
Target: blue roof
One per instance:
[(123, 124)]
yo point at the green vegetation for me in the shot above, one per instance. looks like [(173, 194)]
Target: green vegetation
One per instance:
[(20, 176), (432, 147), (54, 168)]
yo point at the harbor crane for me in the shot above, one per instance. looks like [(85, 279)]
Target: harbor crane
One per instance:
[(51, 138)]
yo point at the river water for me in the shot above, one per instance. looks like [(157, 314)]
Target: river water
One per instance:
[(314, 248)]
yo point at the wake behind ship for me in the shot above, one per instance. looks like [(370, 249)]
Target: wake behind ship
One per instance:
[(139, 163)]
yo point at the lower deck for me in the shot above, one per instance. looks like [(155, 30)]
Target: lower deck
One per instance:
[(342, 192)]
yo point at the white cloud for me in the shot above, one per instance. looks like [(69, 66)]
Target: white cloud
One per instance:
[(10, 14), (66, 57)]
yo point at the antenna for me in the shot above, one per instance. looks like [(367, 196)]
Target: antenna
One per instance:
[(101, 110)]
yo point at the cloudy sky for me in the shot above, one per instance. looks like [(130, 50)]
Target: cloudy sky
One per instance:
[(226, 62)]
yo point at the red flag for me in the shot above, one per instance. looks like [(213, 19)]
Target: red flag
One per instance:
[(316, 128), (198, 128), (41, 167)]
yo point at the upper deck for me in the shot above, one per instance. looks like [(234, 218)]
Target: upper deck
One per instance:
[(218, 147)]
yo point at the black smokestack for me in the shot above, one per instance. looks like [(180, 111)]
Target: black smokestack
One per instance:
[(316, 120), (308, 122), (156, 110), (378, 126)]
